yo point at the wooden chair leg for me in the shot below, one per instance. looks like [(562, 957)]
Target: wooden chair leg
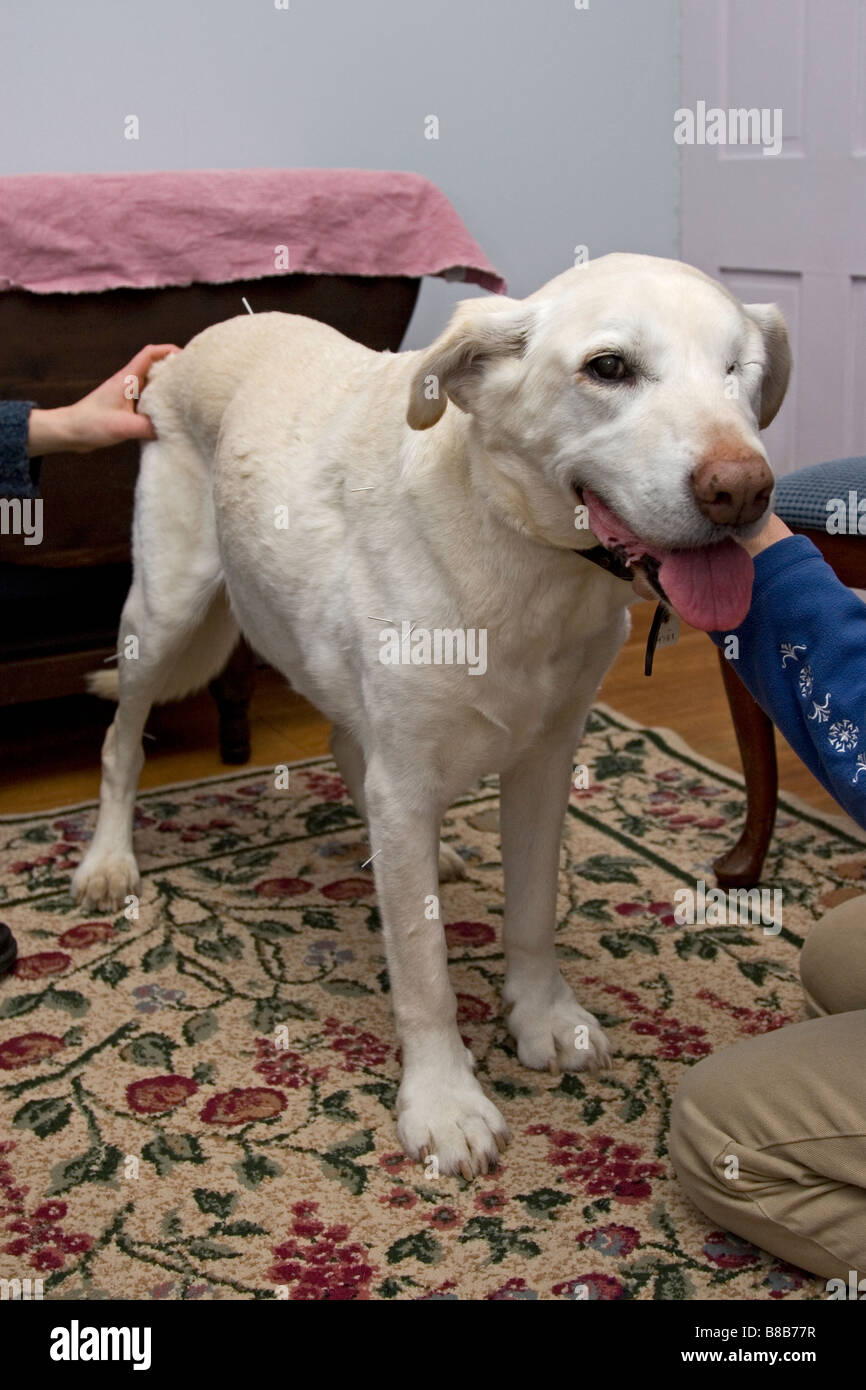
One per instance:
[(232, 691), (740, 866)]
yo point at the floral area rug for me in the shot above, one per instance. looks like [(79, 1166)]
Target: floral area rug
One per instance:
[(198, 1103)]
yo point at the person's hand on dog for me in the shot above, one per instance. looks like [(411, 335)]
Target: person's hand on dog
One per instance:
[(106, 416)]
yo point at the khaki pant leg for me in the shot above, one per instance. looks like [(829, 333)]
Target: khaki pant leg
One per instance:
[(833, 961), (790, 1108)]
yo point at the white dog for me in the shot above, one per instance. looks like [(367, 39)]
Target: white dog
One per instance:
[(444, 490)]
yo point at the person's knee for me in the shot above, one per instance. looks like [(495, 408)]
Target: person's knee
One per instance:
[(716, 1125), (697, 1132), (739, 1142), (833, 960)]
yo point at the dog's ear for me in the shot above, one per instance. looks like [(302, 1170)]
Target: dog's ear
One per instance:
[(777, 371), (480, 331)]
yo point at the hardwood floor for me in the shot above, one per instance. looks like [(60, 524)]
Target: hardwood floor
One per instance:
[(49, 753)]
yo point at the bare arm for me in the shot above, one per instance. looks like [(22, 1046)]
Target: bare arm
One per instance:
[(106, 416)]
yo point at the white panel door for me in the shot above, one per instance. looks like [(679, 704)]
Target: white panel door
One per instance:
[(788, 227)]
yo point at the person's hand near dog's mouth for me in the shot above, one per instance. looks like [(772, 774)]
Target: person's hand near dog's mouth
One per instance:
[(774, 530)]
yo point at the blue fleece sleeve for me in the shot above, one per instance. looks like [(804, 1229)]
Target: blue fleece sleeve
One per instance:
[(18, 475), (802, 654)]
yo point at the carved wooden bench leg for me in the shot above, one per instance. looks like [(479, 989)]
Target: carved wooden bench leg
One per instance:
[(232, 691), (740, 866)]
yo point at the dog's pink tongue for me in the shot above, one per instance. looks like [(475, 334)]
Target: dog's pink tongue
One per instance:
[(711, 587)]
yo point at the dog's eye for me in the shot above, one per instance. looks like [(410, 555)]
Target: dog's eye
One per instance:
[(609, 367)]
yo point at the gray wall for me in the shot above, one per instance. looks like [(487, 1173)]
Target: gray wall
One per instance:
[(555, 123)]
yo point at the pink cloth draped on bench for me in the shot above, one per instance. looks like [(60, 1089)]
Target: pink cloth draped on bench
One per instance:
[(86, 232)]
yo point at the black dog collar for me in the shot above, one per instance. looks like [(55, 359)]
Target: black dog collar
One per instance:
[(615, 562), (612, 560)]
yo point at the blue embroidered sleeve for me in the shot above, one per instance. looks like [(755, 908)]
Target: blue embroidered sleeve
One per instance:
[(801, 651)]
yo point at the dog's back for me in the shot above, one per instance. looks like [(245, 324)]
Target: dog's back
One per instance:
[(188, 392)]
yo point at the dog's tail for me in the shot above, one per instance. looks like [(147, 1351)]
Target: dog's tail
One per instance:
[(203, 656), (103, 684)]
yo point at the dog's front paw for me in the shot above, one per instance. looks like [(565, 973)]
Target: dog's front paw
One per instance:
[(450, 1119), (553, 1033), (104, 881)]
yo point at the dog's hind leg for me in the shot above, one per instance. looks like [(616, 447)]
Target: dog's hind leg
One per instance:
[(176, 633)]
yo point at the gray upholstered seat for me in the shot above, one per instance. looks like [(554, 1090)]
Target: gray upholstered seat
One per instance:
[(802, 497)]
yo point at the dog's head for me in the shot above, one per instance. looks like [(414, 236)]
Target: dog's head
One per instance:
[(634, 385)]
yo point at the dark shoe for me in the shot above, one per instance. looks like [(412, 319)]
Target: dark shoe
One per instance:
[(8, 950)]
